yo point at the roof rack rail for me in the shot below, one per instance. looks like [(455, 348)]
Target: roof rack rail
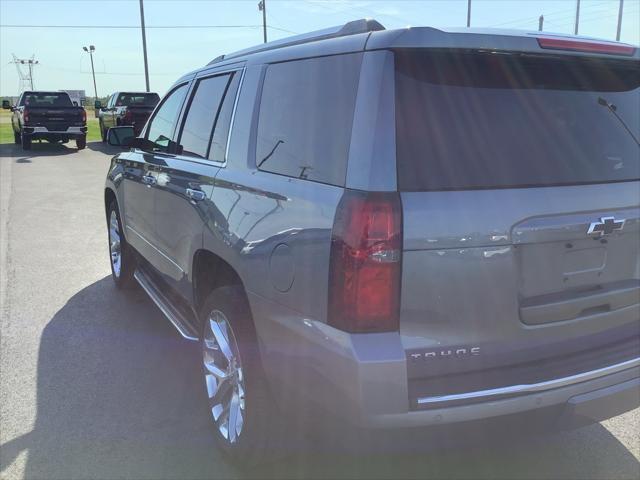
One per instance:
[(354, 27)]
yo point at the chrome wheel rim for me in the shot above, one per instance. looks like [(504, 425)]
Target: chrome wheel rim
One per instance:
[(223, 376), (114, 244)]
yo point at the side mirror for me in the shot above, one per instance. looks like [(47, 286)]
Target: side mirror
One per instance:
[(75, 104), (121, 136), (97, 104), (6, 105)]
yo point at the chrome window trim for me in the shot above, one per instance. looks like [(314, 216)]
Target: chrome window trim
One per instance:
[(233, 118), (533, 387)]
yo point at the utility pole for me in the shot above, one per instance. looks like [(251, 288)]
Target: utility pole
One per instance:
[(540, 23), (26, 79), (90, 51), (619, 20), (577, 16), (144, 46), (31, 74), (262, 6), (468, 13)]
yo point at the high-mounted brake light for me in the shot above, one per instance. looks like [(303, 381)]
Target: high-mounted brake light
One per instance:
[(364, 271), (585, 46)]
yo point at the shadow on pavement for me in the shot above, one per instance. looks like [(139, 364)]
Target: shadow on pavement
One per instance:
[(105, 148), (119, 395), (38, 149)]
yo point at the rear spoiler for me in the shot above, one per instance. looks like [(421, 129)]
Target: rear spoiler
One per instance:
[(499, 40)]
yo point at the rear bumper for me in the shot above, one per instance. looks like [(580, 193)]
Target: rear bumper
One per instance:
[(566, 407), (44, 132), (363, 379)]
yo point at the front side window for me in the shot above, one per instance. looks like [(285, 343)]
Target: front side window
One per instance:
[(161, 126), (306, 114), (202, 114)]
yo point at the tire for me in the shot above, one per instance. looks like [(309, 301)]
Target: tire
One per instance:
[(103, 132), (258, 433), (25, 140), (16, 138), (81, 142), (123, 265)]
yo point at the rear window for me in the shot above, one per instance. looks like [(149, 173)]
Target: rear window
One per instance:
[(474, 120), (137, 99), (306, 113), (46, 99)]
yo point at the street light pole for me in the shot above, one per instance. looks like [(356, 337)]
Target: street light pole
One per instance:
[(90, 51), (575, 32), (144, 46), (468, 13)]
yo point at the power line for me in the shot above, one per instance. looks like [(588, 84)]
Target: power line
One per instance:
[(547, 14), (135, 27)]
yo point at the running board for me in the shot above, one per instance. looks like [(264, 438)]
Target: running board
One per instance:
[(176, 318)]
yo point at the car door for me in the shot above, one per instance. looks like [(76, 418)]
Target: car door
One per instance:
[(15, 116), (140, 177), (104, 114), (185, 181), (109, 119)]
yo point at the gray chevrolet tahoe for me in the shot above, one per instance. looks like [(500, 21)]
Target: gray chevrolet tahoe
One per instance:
[(404, 228)]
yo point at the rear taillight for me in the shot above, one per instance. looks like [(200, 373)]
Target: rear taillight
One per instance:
[(84, 116), (25, 115), (128, 116), (556, 43), (364, 270)]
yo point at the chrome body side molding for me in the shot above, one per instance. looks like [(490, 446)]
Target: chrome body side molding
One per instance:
[(533, 387)]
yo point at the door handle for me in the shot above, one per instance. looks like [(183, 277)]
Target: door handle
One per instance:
[(149, 180), (195, 195)]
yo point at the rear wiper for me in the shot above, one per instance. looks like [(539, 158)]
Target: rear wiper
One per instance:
[(612, 108)]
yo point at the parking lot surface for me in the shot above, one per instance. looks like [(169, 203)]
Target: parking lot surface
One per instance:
[(96, 384)]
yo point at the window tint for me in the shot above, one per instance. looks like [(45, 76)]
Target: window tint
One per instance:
[(306, 113), (218, 146), (161, 126), (46, 99), (466, 121), (202, 114), (138, 99)]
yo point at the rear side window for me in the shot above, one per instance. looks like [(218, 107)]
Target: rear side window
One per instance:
[(217, 149), (306, 114), (472, 121), (202, 114)]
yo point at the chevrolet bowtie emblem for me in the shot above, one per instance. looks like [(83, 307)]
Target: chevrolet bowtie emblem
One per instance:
[(606, 226)]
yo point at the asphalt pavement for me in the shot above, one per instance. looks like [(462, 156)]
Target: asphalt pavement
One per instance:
[(95, 383)]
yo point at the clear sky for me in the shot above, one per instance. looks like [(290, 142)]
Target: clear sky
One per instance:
[(174, 51)]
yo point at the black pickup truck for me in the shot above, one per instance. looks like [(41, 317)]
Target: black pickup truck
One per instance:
[(50, 116), (126, 108)]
